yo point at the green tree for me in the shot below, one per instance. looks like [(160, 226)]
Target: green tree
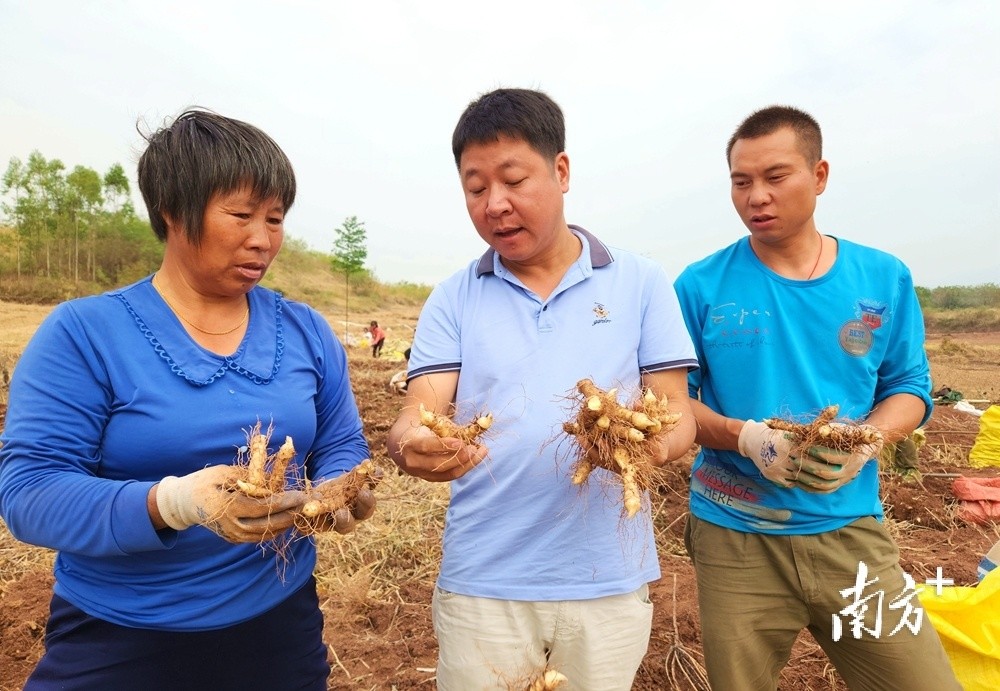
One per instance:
[(923, 296), (116, 190), (85, 200), (350, 249), (39, 210), (125, 247), (13, 210)]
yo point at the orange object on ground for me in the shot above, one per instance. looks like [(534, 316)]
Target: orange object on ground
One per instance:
[(978, 499)]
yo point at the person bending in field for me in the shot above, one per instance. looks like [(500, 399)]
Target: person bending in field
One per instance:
[(786, 322), (534, 574), (126, 413), (378, 338)]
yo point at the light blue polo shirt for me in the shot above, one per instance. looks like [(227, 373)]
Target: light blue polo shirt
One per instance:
[(516, 527)]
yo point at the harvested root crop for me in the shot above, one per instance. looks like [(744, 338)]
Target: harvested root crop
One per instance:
[(264, 472), (443, 426), (847, 436), (618, 438), (327, 498), (549, 680)]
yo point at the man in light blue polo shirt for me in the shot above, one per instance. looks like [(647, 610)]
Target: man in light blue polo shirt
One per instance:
[(536, 571)]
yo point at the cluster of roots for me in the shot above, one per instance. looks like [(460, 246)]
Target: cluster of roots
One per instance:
[(622, 439), (326, 499), (847, 436), (549, 680), (444, 427), (546, 679), (684, 670), (263, 473)]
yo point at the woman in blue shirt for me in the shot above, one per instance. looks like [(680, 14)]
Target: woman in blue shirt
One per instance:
[(127, 411)]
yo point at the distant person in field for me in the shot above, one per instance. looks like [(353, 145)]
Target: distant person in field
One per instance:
[(536, 571), (126, 414), (378, 338), (787, 321)]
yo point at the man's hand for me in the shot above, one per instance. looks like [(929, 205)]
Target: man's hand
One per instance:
[(425, 455), (770, 450), (825, 470), (202, 498)]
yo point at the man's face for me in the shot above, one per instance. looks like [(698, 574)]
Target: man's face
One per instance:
[(774, 186), (514, 196)]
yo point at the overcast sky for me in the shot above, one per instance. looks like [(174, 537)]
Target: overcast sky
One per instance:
[(363, 97)]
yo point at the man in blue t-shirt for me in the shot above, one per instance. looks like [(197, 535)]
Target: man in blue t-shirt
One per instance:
[(537, 572), (787, 322)]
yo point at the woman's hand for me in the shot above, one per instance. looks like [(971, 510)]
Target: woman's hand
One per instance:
[(204, 498)]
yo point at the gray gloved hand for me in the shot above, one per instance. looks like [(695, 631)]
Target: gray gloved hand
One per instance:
[(203, 498), (770, 450)]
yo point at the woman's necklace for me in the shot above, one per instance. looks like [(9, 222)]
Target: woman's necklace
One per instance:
[(809, 277), (190, 323)]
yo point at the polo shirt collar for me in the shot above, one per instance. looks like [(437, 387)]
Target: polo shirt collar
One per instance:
[(600, 255)]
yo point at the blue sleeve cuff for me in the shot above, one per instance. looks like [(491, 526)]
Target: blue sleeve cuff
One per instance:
[(131, 527)]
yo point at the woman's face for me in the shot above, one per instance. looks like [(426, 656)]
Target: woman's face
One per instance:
[(239, 240)]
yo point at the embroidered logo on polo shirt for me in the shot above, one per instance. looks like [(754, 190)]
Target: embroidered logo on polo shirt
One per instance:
[(602, 314)]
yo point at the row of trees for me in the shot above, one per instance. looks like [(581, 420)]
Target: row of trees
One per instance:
[(78, 226), (72, 225), (959, 297), (81, 226)]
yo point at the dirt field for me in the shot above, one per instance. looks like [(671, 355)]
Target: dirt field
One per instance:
[(376, 590)]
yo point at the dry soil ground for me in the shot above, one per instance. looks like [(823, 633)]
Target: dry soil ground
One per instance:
[(380, 635)]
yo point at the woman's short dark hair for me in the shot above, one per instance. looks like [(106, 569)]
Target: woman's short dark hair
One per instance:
[(200, 154), (519, 113)]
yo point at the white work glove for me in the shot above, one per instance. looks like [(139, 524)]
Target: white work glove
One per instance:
[(770, 450), (202, 498), (825, 470)]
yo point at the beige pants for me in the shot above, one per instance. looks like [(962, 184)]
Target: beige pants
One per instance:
[(757, 592), (503, 644)]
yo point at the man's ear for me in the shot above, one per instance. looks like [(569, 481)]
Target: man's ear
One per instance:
[(562, 170), (822, 173), (168, 220)]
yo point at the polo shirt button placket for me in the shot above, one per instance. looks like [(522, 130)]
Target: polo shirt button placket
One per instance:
[(544, 323)]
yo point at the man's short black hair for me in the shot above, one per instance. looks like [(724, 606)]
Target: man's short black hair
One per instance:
[(523, 114), (771, 119)]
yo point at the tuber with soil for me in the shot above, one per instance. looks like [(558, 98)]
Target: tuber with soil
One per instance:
[(826, 430), (444, 427), (622, 439)]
